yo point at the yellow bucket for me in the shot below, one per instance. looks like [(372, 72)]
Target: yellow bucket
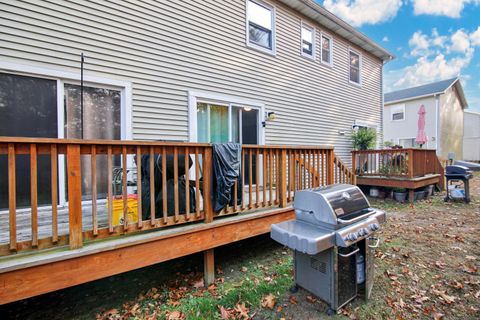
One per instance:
[(132, 209)]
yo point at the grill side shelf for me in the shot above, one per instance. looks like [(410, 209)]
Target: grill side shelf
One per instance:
[(303, 237)]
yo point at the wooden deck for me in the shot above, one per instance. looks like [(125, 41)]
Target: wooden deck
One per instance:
[(43, 249), (409, 169), (32, 274)]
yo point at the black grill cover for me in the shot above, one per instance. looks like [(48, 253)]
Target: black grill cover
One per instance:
[(226, 170)]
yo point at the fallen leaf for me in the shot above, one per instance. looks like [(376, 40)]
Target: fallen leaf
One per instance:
[(311, 299), (225, 314), (293, 300), (199, 284), (244, 269), (438, 316), (175, 315), (242, 310), (268, 301), (439, 264)]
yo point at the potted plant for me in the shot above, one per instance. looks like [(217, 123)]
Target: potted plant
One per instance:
[(400, 194), (364, 139)]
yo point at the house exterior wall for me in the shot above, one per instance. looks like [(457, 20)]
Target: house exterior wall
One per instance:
[(450, 125), (394, 130), (167, 48), (471, 136)]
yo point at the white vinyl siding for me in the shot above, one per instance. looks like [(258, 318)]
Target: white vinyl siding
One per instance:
[(167, 48)]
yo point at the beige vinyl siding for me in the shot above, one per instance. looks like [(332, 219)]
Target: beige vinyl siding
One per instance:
[(451, 125), (166, 48)]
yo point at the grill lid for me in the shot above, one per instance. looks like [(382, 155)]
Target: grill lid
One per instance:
[(335, 204)]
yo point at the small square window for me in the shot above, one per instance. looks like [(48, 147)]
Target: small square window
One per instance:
[(308, 41), (326, 50), (260, 21), (355, 65), (398, 112)]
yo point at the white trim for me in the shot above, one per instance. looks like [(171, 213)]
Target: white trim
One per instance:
[(198, 96), (273, 50), (326, 35), (360, 63), (304, 25), (397, 107)]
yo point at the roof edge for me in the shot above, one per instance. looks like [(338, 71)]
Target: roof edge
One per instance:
[(339, 26), (414, 98)]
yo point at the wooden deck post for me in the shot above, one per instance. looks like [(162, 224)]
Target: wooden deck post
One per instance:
[(354, 168), (282, 182), (208, 267), (330, 167), (409, 154), (74, 196), (207, 185)]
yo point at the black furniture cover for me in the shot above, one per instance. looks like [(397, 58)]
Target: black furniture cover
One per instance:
[(226, 170)]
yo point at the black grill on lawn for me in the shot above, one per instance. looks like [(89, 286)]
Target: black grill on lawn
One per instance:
[(457, 174)]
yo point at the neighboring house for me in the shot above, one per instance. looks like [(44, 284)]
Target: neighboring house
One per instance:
[(471, 136), (200, 71), (444, 102)]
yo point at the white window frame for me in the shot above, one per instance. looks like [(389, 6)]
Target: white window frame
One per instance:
[(273, 50), (326, 35), (395, 109), (360, 63), (63, 77), (304, 25), (409, 138), (195, 97)]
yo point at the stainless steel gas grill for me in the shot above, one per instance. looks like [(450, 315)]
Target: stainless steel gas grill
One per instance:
[(333, 241)]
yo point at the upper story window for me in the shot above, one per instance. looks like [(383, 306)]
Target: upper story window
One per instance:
[(398, 112), (308, 41), (355, 67), (261, 26), (327, 49)]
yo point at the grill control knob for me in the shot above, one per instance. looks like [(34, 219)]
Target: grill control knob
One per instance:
[(374, 226), (352, 236), (363, 232)]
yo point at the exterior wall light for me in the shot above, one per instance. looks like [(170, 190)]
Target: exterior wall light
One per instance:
[(269, 116)]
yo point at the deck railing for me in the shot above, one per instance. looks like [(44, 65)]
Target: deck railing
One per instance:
[(126, 170), (407, 163)]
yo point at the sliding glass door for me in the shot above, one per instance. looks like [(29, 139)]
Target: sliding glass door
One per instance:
[(100, 118), (28, 108), (222, 123)]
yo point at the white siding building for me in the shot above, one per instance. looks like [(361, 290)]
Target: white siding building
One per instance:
[(444, 104), (471, 136)]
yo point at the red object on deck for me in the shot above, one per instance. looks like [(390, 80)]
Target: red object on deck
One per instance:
[(421, 136)]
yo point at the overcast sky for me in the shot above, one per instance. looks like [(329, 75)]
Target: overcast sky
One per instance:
[(432, 39)]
